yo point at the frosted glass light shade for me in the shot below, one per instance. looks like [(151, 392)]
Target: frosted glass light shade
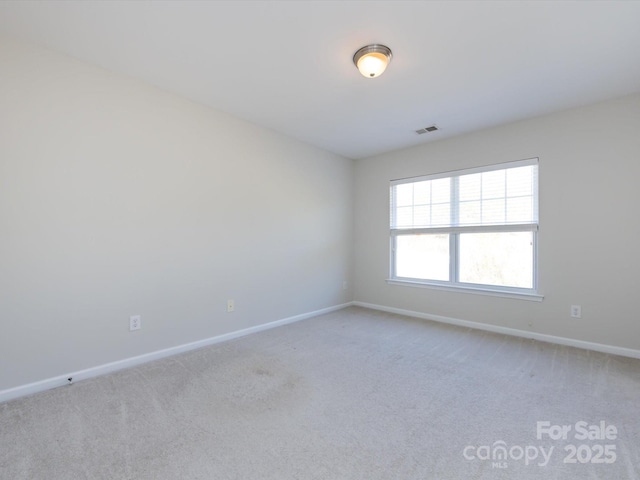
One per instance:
[(372, 60)]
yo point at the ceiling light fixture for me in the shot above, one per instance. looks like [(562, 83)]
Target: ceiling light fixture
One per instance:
[(372, 60)]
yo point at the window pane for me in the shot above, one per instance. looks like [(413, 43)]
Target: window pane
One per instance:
[(441, 190), (422, 193), (501, 259), (520, 181), (493, 212), (520, 210), (404, 217), (470, 187), (470, 213), (422, 256), (421, 216), (404, 194), (441, 215), (493, 184)]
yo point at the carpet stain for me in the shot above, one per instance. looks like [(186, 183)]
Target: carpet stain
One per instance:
[(273, 388), (262, 371)]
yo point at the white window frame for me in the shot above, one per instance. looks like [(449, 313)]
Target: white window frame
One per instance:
[(454, 235)]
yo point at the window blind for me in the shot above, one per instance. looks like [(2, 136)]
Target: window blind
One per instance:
[(497, 195)]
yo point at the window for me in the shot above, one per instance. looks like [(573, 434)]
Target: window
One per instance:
[(474, 229)]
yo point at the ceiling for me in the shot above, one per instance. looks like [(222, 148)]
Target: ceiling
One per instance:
[(287, 65)]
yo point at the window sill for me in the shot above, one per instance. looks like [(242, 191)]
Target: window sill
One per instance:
[(532, 297)]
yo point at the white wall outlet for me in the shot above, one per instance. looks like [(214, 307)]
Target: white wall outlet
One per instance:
[(231, 305), (135, 322), (576, 311), (345, 285)]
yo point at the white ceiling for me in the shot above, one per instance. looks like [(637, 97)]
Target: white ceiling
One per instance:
[(287, 65)]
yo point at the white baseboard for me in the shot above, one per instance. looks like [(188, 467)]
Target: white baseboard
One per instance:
[(49, 383), (598, 347)]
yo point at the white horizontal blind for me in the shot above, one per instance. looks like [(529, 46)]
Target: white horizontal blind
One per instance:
[(497, 195)]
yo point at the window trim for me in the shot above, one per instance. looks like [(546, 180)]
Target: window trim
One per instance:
[(503, 292), (454, 284)]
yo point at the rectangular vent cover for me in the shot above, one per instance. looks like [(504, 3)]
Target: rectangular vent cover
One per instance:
[(432, 128)]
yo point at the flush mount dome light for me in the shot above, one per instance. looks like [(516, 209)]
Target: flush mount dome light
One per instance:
[(372, 60)]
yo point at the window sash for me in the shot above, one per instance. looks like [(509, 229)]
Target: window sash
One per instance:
[(454, 261)]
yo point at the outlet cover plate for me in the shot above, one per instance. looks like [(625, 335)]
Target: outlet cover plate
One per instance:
[(135, 322)]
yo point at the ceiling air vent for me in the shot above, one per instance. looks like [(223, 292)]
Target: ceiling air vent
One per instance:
[(432, 128)]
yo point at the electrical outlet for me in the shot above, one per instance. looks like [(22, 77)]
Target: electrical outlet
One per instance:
[(231, 305), (135, 322), (576, 311), (345, 285)]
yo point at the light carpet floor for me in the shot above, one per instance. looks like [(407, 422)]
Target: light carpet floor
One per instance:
[(355, 394)]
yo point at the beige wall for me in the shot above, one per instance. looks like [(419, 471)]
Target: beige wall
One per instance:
[(117, 198), (589, 225)]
